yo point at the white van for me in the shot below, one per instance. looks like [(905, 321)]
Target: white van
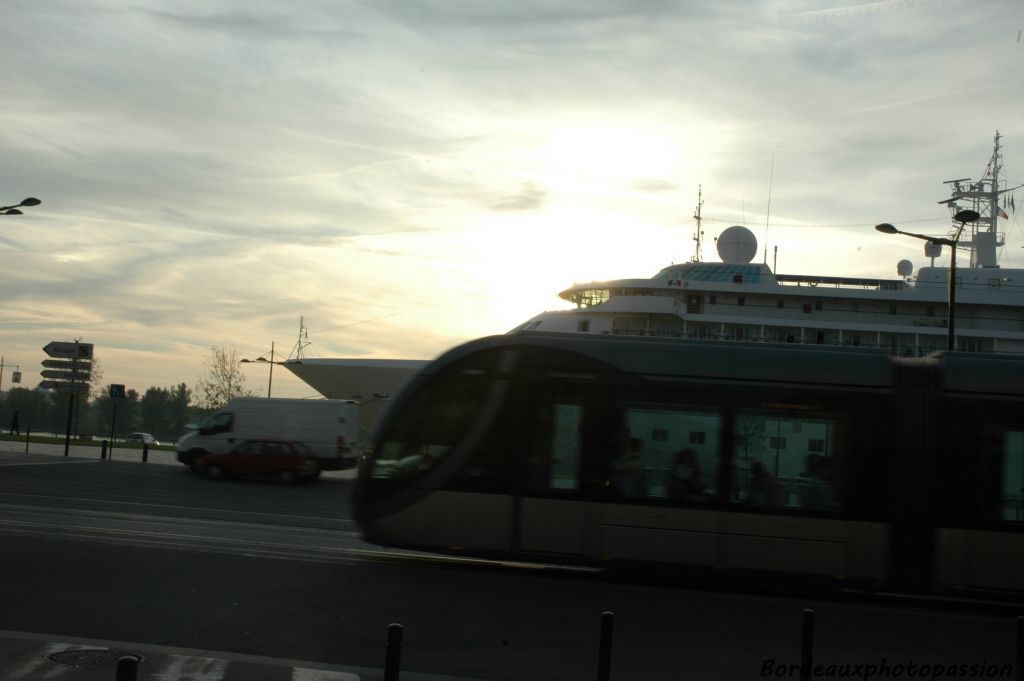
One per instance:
[(328, 427)]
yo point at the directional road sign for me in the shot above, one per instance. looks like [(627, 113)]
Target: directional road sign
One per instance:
[(66, 375), (68, 364), (62, 385), (69, 350)]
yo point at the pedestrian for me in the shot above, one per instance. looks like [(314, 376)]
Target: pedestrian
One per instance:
[(15, 430)]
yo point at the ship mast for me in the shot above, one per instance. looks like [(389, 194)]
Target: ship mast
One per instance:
[(698, 235), (982, 196), (302, 342)]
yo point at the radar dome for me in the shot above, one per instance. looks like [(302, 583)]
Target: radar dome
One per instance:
[(932, 249), (737, 244), (904, 268)]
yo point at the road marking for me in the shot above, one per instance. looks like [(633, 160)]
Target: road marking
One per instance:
[(180, 667), (302, 674), (30, 670), (48, 463), (179, 507)]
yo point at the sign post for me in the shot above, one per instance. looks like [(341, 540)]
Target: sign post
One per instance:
[(75, 370), (116, 395)]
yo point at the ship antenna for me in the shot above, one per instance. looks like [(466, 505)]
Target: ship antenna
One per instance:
[(698, 235), (768, 213), (303, 340)]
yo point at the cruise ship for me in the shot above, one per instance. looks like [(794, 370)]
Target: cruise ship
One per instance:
[(737, 300)]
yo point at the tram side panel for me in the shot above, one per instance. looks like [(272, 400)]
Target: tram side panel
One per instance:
[(979, 527)]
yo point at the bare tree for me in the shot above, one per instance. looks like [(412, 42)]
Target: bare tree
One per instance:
[(222, 381)]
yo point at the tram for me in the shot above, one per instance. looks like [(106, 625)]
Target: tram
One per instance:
[(842, 465)]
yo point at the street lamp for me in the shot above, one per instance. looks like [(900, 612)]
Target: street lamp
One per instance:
[(963, 217), (13, 210), (264, 360)]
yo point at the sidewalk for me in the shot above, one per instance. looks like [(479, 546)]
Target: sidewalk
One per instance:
[(25, 656), (117, 453)]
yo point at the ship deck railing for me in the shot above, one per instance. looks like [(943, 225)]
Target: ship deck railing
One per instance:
[(841, 282)]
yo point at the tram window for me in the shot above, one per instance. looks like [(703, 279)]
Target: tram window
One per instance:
[(429, 426), (662, 457), (1013, 477), (556, 454), (784, 462)]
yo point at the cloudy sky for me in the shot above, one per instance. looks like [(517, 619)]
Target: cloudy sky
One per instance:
[(407, 175)]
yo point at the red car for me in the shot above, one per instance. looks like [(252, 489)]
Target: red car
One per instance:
[(280, 459)]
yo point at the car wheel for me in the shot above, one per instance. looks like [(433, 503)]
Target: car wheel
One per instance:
[(215, 471), (287, 477)]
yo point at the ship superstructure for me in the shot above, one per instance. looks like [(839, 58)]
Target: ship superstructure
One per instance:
[(738, 300)]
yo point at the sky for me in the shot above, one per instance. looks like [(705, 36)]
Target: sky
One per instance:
[(404, 176)]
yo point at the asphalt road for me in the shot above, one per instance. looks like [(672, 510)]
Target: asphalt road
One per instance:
[(154, 554)]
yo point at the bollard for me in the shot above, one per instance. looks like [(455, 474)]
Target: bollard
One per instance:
[(145, 452), (604, 655), (807, 646), (103, 450), (1020, 649), (28, 433), (127, 668), (393, 654)]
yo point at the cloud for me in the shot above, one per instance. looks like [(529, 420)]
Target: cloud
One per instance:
[(209, 174)]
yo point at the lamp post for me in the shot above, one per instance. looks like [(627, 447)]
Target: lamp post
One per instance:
[(13, 210), (963, 217), (264, 360)]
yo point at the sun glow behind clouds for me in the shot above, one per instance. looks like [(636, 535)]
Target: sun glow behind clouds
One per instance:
[(614, 154)]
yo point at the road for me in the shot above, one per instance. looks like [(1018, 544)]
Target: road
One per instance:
[(151, 553)]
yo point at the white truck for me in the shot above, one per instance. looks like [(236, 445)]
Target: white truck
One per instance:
[(328, 427)]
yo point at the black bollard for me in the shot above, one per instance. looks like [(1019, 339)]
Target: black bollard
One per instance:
[(807, 646), (28, 433), (393, 654), (127, 668), (145, 452), (604, 655), (103, 450)]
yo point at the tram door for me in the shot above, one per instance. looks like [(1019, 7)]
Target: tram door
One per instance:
[(553, 514)]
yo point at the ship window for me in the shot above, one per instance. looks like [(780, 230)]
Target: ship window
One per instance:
[(807, 308), (737, 278), (993, 283), (855, 306), (659, 435), (780, 303), (712, 300), (892, 309), (930, 311), (697, 437), (817, 305), (741, 301)]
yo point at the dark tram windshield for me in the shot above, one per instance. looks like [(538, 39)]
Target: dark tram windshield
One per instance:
[(432, 420)]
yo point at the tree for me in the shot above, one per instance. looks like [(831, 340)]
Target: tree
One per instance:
[(222, 381), (179, 413), (33, 407)]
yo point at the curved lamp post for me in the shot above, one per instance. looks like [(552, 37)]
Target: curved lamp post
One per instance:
[(25, 203), (963, 217), (264, 360)]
